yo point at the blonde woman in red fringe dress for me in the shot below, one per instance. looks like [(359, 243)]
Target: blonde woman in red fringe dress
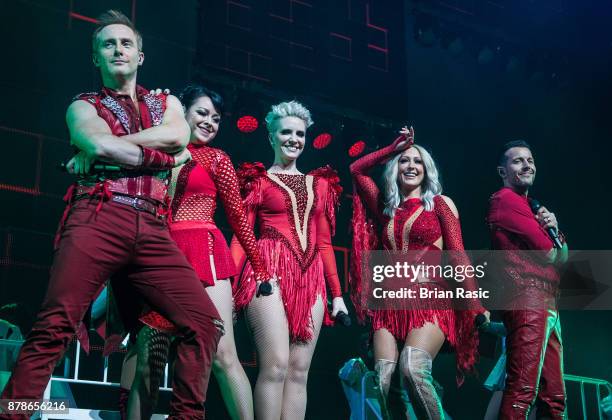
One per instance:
[(411, 214), (208, 177), (295, 215)]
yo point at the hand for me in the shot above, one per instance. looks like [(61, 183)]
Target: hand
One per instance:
[(79, 164), (487, 315), (182, 157), (158, 92), (338, 306), (408, 134), (546, 218), (265, 288)]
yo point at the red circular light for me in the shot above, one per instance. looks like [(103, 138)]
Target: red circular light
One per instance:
[(247, 124), (322, 141), (357, 148)]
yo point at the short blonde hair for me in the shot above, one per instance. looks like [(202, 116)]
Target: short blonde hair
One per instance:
[(287, 109)]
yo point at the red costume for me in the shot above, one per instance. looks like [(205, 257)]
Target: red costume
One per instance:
[(208, 174), (534, 351), (411, 228), (296, 220), (114, 226)]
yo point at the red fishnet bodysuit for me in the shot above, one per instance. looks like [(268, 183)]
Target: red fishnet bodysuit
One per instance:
[(209, 174), (296, 219), (407, 231)]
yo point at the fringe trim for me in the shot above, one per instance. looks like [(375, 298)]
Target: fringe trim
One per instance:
[(401, 322), (364, 240), (299, 290), (249, 177), (334, 191)]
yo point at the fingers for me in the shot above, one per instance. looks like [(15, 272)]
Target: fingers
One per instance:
[(487, 315), (159, 91), (338, 306), (182, 157), (552, 223), (547, 219), (70, 166), (541, 211)]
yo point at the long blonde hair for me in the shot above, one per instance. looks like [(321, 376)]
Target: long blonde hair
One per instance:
[(430, 186)]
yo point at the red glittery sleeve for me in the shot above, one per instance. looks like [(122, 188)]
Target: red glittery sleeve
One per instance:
[(453, 241), (226, 181), (366, 196), (364, 184), (467, 347), (249, 179), (326, 226)]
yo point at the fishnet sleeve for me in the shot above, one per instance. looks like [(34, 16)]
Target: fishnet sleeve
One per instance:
[(226, 181), (453, 241), (364, 184)]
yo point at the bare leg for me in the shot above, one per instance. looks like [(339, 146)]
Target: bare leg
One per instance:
[(300, 356), (422, 346), (268, 323), (233, 381)]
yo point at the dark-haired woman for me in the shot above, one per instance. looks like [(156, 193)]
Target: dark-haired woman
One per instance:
[(196, 187)]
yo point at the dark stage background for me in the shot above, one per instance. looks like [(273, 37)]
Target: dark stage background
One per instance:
[(468, 74)]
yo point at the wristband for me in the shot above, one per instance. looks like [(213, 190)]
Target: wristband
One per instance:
[(155, 159)]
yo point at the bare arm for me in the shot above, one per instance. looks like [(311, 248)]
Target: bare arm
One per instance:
[(170, 136), (92, 135)]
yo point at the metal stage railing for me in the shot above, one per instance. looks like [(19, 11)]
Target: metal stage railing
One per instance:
[(71, 376), (599, 385)]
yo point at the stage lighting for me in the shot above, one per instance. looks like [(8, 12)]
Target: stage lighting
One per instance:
[(322, 141), (357, 148), (247, 124)]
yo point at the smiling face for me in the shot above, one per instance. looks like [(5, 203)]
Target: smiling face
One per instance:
[(288, 138), (519, 170), (203, 120), (117, 53), (410, 170)]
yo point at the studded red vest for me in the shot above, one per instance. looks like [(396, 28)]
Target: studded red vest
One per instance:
[(122, 116)]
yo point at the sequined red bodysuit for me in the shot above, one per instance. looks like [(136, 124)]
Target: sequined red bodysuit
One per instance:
[(295, 215), (412, 227)]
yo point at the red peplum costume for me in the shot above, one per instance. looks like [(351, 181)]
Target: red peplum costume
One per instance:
[(295, 216), (208, 176), (411, 228)]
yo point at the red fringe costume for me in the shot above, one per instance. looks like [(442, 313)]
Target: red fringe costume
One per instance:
[(411, 228), (296, 220), (209, 174)]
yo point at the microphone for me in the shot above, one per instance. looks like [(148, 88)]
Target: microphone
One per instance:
[(343, 318), (495, 328), (264, 289), (552, 233), (96, 167)]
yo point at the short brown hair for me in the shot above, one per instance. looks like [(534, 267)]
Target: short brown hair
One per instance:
[(114, 17)]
